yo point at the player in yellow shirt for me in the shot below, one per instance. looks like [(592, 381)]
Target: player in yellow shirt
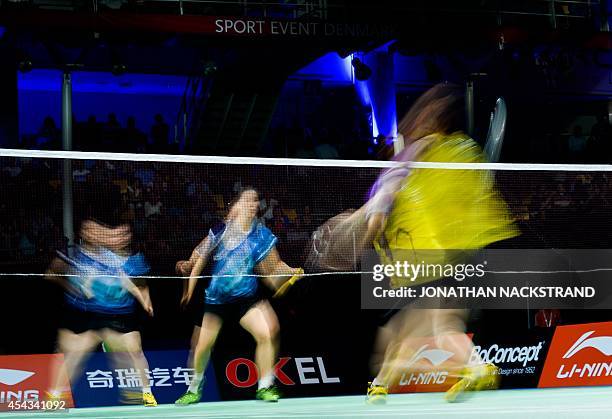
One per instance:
[(411, 210)]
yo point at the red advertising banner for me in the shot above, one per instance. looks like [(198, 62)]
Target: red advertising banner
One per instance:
[(427, 370), (580, 355), (25, 381)]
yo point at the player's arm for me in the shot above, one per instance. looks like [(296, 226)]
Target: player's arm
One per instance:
[(54, 274), (140, 292), (198, 267), (201, 255), (144, 290), (274, 269), (277, 274), (376, 223), (184, 267)]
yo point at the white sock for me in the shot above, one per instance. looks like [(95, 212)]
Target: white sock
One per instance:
[(265, 382), (377, 382), (194, 387), (146, 389)]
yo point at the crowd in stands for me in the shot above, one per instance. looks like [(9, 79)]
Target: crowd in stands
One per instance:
[(328, 141), (170, 206), (580, 143), (110, 135)]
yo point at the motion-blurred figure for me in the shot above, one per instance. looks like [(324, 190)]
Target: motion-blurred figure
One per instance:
[(237, 250), (411, 210), (100, 300)]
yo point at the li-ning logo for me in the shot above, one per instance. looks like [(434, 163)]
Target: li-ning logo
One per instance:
[(602, 343), (436, 357), (12, 377), (579, 355)]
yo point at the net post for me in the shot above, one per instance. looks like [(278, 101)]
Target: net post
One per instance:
[(67, 211)]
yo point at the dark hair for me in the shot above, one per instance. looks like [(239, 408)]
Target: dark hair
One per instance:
[(441, 109), (102, 204), (238, 195)]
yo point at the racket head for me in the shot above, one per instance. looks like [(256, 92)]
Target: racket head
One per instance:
[(497, 130)]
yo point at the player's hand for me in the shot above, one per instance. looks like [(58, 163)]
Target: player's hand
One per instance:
[(148, 308), (297, 274), (181, 267), (185, 299)]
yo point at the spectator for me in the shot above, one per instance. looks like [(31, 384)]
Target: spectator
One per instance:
[(12, 169), (7, 241), (80, 172), (112, 123), (306, 149), (152, 205), (89, 134), (600, 141), (146, 175), (267, 206), (306, 219), (55, 241), (134, 140), (48, 136), (279, 223), (237, 186), (601, 129), (26, 246), (325, 150), (135, 192), (159, 134), (577, 144), (111, 133)]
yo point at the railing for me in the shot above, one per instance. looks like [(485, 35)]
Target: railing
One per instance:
[(290, 9), (552, 13)]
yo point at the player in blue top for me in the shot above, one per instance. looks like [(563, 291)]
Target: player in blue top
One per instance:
[(100, 301), (238, 250)]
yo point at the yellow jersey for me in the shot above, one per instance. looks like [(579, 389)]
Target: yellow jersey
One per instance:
[(445, 209)]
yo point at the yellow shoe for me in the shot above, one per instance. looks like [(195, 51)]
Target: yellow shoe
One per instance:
[(474, 378), (56, 396), (489, 380), (149, 400), (376, 394), (131, 396)]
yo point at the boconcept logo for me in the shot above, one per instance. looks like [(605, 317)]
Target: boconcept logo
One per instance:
[(11, 377), (602, 343)]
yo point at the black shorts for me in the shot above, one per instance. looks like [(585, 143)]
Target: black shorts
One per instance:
[(235, 310), (79, 321), (195, 311)]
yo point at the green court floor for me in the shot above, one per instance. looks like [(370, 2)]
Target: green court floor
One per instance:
[(594, 402)]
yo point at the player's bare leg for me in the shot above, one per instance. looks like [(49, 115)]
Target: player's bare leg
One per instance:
[(211, 325), (76, 348), (261, 322), (130, 345)]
